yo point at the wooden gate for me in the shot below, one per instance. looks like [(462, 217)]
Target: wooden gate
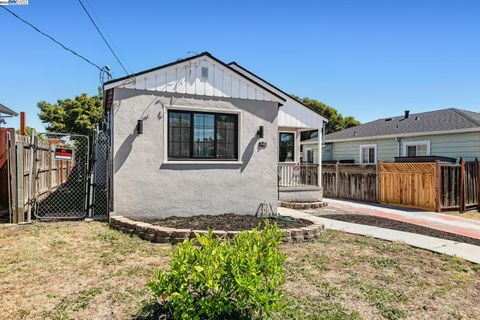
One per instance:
[(408, 184), (350, 181)]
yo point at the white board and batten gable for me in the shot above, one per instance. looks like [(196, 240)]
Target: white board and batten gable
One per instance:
[(199, 75), (292, 113)]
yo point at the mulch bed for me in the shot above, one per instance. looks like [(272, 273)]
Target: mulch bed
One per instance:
[(401, 226), (227, 222)]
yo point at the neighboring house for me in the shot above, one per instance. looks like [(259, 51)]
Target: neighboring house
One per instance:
[(199, 136), (310, 149), (450, 133), (6, 112)]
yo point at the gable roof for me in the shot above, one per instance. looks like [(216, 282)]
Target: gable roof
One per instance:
[(433, 122), (147, 80), (7, 111), (235, 64)]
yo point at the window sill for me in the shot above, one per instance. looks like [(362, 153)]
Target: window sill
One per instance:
[(202, 162)]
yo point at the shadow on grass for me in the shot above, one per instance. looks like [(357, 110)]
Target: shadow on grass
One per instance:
[(152, 310)]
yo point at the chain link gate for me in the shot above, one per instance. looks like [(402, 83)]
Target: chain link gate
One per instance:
[(100, 169), (62, 177)]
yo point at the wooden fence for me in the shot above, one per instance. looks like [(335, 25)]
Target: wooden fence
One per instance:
[(459, 186), (408, 184), (46, 173), (431, 186), (350, 181)]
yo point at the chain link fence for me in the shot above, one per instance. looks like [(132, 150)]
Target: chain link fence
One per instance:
[(61, 176)]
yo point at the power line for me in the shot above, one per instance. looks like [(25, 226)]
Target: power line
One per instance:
[(105, 40), (109, 38), (51, 38)]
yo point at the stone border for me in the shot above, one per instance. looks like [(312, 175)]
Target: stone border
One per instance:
[(302, 205), (159, 234)]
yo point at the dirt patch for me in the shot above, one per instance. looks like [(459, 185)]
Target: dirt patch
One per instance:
[(401, 226), (227, 222)]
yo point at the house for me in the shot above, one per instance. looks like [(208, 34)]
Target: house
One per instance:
[(200, 136), (452, 133), (6, 112)]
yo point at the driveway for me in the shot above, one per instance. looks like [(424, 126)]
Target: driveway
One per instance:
[(433, 220)]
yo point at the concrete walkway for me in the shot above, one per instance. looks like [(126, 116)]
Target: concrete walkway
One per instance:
[(433, 220), (466, 251)]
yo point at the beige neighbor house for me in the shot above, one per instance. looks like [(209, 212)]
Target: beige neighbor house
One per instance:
[(451, 133), (200, 136)]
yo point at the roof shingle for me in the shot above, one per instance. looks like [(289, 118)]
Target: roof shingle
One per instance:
[(439, 120)]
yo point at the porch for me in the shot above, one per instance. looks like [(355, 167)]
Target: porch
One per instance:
[(299, 182)]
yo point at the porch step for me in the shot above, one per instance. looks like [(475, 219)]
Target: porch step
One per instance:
[(303, 205)]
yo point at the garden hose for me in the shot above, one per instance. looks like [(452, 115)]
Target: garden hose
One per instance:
[(267, 207)]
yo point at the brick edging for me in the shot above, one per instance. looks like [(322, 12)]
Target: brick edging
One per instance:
[(303, 205), (159, 234)]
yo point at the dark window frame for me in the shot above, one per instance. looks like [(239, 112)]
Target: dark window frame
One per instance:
[(192, 133)]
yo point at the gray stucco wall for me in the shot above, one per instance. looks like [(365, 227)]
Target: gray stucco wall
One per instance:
[(455, 145), (146, 186)]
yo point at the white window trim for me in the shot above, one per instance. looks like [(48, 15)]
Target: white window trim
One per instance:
[(200, 109), (373, 145), (415, 143), (295, 156)]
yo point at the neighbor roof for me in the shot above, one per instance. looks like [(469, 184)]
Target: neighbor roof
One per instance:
[(421, 123), (8, 111)]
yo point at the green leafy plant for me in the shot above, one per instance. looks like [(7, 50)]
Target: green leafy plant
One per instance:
[(214, 279)]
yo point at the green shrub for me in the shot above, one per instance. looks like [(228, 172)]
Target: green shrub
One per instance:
[(214, 279)]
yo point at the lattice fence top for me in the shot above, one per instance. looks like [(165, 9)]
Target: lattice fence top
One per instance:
[(350, 168), (358, 168), (408, 168)]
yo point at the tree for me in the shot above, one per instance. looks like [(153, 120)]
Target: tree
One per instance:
[(77, 115), (336, 121)]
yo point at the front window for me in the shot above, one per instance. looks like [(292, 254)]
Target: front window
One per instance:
[(287, 147), (416, 148), (199, 135), (368, 154)]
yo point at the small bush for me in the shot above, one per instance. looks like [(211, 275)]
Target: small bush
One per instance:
[(214, 279)]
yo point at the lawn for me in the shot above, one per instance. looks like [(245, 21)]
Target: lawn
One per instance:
[(84, 270)]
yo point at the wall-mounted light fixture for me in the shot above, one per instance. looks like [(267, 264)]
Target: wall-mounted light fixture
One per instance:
[(139, 126), (260, 132)]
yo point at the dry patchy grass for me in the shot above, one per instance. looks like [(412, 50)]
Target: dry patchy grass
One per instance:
[(84, 270)]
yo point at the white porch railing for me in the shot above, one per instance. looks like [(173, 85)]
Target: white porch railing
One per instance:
[(308, 175)]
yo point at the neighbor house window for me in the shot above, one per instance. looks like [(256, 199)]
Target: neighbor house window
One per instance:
[(368, 153), (200, 135), (287, 147), (416, 148)]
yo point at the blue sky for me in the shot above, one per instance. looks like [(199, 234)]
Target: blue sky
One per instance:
[(368, 59)]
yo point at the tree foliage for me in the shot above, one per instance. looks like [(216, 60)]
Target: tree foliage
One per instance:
[(77, 115), (336, 121)]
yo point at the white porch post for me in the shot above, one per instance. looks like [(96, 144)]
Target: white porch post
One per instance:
[(319, 144)]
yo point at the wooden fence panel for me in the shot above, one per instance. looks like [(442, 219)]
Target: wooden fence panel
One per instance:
[(408, 184), (47, 174), (350, 181), (471, 192), (451, 186)]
